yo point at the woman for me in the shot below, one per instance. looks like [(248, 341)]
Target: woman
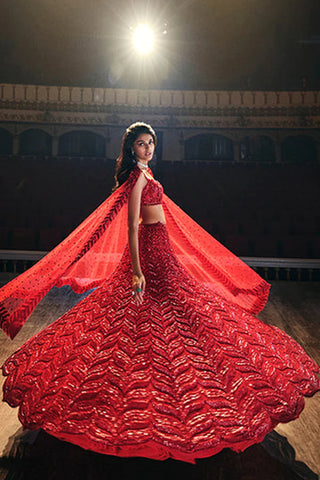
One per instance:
[(166, 357)]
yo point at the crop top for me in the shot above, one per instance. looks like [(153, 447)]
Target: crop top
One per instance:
[(152, 193)]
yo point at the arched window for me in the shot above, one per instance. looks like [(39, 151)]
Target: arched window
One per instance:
[(208, 147), (81, 143), (6, 141), (35, 142), (299, 149), (257, 149)]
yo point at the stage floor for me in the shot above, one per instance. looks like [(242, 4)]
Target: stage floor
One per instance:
[(291, 452)]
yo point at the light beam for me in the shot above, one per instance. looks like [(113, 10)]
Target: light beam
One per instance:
[(143, 39)]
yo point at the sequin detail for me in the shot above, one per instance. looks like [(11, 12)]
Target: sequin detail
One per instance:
[(152, 193), (91, 252), (183, 375)]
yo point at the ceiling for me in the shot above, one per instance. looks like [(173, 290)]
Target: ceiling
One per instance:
[(216, 44)]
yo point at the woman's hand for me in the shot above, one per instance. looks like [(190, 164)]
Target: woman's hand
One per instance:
[(138, 288)]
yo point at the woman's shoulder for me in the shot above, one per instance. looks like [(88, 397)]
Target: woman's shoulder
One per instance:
[(138, 178), (146, 173), (135, 172)]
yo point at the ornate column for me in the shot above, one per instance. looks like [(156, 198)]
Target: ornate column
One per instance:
[(55, 146), (277, 150), (15, 145), (181, 144), (172, 147), (107, 142), (113, 141), (236, 151)]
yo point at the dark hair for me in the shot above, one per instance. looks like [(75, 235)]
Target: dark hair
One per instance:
[(126, 160)]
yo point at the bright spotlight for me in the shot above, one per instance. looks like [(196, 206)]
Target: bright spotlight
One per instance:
[(143, 39)]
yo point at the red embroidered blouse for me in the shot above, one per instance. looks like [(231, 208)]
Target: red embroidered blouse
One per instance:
[(152, 193)]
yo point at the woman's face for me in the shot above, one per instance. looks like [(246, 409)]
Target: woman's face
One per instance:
[(143, 147)]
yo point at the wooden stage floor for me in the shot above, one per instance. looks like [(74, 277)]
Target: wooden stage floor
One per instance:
[(291, 452)]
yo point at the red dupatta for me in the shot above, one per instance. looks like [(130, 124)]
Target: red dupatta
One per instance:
[(88, 256)]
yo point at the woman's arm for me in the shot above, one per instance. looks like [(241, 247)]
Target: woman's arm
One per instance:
[(133, 227)]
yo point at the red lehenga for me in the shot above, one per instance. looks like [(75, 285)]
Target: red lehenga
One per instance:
[(187, 373)]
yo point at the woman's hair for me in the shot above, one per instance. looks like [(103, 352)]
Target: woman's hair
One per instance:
[(127, 160)]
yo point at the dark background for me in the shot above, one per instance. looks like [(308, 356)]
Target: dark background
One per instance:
[(256, 207), (211, 44)]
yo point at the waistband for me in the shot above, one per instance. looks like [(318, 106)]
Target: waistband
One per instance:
[(155, 224)]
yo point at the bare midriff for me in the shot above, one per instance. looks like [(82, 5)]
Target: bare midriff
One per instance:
[(152, 214)]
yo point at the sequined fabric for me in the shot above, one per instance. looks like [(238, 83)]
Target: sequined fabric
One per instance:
[(152, 193), (183, 375), (89, 255)]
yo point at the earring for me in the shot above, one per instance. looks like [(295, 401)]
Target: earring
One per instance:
[(132, 152)]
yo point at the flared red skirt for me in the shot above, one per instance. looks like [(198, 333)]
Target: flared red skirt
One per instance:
[(183, 375)]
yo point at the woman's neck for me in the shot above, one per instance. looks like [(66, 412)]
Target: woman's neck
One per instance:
[(142, 165)]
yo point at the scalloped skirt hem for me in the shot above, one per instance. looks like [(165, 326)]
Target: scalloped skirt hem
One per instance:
[(154, 450)]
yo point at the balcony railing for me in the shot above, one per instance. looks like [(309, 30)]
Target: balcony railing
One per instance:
[(155, 98), (300, 269)]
